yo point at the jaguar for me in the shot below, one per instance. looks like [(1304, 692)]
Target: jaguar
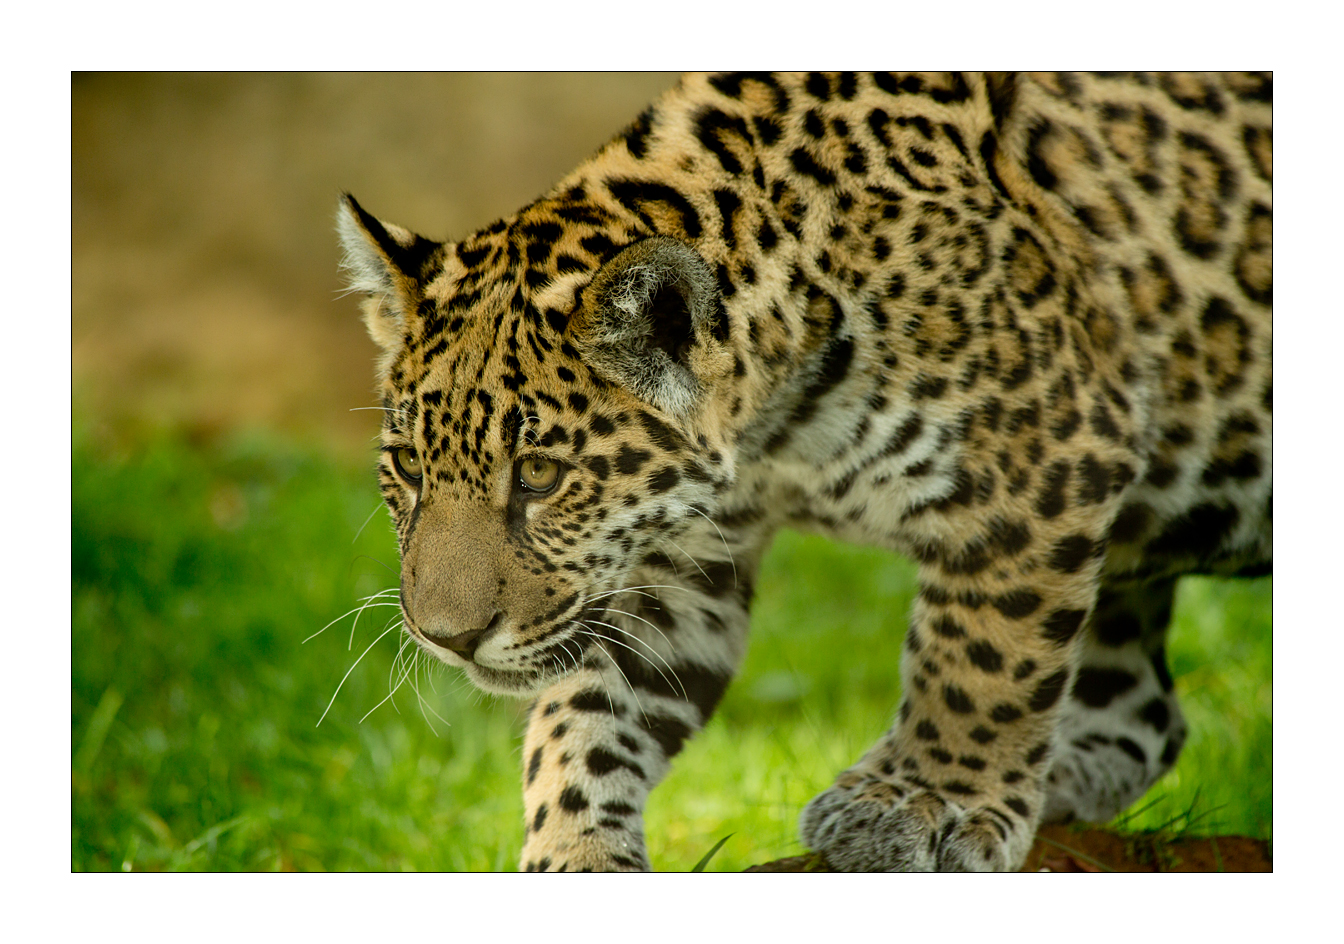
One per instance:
[(1016, 327)]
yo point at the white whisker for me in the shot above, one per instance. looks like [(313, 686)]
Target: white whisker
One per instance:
[(396, 625), (652, 664), (691, 559), (611, 704), (612, 609), (365, 602), (731, 562), (366, 522), (637, 639), (647, 586)]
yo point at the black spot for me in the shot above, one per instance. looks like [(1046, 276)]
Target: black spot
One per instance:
[(1005, 713), (926, 387), (533, 766), (1071, 552), (1132, 749), (948, 628), (1245, 465), (713, 128), (663, 435), (813, 124), (1094, 481), (982, 735), (958, 700), (601, 761), (637, 135), (1037, 754), (629, 461), (669, 732), (1017, 806), (1098, 687), (540, 819), (925, 731), (1048, 691), (1117, 629), (572, 800), (639, 196), (728, 203), (598, 465), (1130, 524), (591, 700), (984, 656), (1103, 425), (664, 479), (805, 163), (940, 755), (1062, 625), (1010, 537), (766, 236), (1198, 533), (1156, 713), (1050, 501), (1016, 604)]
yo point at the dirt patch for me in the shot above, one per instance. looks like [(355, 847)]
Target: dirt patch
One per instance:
[(1078, 849)]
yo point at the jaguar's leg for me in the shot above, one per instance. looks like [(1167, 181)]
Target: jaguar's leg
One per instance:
[(1122, 727), (601, 739), (958, 783)]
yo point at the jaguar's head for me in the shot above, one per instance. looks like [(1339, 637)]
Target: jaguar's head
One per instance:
[(549, 422)]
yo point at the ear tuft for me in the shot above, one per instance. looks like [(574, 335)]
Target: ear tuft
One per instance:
[(645, 314)]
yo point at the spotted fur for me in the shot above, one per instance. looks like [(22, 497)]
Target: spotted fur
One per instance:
[(1016, 327)]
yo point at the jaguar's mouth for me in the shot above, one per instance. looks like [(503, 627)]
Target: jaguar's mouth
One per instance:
[(540, 662)]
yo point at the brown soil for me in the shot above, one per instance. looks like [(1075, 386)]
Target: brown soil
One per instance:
[(1076, 849)]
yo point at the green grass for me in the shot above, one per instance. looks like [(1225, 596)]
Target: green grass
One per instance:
[(197, 574)]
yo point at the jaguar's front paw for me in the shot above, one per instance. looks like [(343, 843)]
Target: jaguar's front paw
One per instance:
[(875, 826)]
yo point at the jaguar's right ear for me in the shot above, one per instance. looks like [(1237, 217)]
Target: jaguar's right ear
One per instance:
[(652, 320), (387, 263)]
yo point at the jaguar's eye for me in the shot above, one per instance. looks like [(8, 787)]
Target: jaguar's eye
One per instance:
[(407, 462), (538, 475)]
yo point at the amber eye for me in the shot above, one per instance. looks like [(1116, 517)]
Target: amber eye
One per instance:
[(538, 475), (407, 462)]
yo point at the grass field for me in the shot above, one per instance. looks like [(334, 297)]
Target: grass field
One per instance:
[(198, 573)]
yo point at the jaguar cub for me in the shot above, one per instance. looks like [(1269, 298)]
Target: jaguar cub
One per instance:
[(1016, 327)]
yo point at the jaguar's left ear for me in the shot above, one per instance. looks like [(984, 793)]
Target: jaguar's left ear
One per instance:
[(653, 321), (389, 264)]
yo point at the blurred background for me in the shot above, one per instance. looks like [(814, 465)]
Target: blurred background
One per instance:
[(206, 292), (224, 512)]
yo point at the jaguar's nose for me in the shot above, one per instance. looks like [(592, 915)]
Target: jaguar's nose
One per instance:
[(464, 644)]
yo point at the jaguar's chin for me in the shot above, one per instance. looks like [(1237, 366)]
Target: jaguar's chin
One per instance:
[(503, 682)]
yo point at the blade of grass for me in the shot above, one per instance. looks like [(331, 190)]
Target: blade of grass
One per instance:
[(700, 866), (96, 732)]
